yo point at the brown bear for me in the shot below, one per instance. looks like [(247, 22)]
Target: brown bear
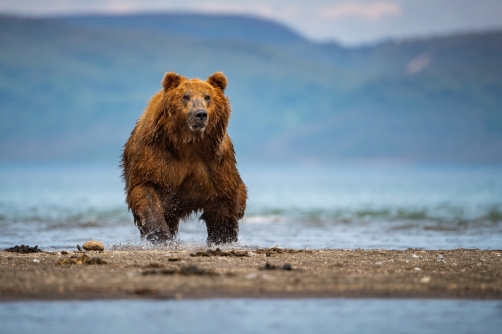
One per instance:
[(179, 159)]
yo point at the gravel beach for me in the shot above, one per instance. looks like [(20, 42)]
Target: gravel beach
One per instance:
[(257, 273)]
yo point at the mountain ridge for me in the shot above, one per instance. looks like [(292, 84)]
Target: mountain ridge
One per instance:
[(222, 27), (74, 92)]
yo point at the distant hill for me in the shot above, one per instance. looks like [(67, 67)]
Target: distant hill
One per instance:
[(203, 26), (73, 87)]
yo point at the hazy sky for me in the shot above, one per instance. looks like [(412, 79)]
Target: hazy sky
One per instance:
[(349, 22)]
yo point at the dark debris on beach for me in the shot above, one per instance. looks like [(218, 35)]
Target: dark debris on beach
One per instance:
[(238, 253), (219, 252), (189, 270), (84, 259), (269, 266), (23, 249)]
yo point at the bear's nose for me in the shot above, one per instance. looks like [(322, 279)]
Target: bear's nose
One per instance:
[(201, 115)]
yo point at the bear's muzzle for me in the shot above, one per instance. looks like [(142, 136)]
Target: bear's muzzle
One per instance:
[(197, 120)]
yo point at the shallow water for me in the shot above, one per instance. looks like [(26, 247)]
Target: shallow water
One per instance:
[(253, 316), (58, 206)]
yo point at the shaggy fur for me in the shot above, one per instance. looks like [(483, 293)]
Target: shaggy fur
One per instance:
[(179, 159)]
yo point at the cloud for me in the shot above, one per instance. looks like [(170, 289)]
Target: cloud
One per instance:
[(68, 6), (119, 6), (369, 11), (257, 8)]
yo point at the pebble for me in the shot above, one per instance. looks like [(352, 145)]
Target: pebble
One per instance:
[(269, 266), (251, 275), (287, 266), (425, 280), (414, 256), (94, 245), (416, 269)]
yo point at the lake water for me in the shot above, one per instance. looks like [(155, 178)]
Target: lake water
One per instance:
[(253, 316), (430, 207)]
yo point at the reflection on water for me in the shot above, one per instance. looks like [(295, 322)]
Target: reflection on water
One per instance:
[(253, 316), (58, 206)]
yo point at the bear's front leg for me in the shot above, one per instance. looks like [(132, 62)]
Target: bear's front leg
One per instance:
[(149, 215), (222, 223)]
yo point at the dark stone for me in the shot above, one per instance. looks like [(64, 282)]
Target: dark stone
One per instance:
[(287, 266)]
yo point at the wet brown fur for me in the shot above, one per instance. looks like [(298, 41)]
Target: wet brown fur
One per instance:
[(171, 171)]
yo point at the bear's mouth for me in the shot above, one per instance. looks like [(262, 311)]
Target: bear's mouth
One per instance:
[(197, 127)]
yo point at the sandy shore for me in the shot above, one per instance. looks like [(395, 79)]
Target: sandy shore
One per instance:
[(262, 273)]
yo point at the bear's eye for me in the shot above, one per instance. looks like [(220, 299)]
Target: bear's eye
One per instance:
[(186, 98), (207, 98)]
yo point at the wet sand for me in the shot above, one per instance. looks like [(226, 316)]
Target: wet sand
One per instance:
[(258, 273)]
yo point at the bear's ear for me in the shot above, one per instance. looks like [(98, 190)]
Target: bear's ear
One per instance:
[(218, 79), (171, 80)]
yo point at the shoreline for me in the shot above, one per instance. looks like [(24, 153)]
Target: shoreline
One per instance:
[(161, 274)]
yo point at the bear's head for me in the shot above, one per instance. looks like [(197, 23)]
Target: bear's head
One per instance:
[(194, 107)]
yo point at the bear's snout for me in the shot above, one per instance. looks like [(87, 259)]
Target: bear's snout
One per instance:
[(201, 115), (197, 120)]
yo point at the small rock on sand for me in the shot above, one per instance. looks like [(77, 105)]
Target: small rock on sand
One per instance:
[(94, 245), (425, 280), (287, 266)]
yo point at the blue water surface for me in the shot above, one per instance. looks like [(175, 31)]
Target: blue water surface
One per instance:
[(253, 316), (57, 206)]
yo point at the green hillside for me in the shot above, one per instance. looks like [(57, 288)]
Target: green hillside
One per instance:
[(72, 88)]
